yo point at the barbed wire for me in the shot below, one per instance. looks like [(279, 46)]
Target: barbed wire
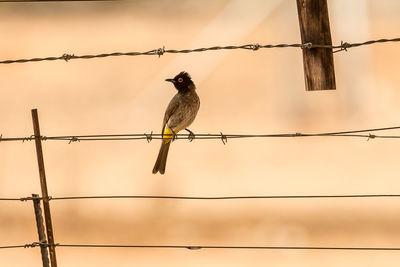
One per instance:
[(29, 245), (227, 247), (228, 197), (206, 198), (191, 247), (223, 137), (161, 51)]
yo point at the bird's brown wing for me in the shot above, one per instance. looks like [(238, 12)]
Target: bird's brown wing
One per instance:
[(172, 106)]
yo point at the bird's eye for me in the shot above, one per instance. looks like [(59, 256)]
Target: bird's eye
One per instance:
[(180, 80)]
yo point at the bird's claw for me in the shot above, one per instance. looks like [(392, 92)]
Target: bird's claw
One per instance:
[(191, 135), (174, 136)]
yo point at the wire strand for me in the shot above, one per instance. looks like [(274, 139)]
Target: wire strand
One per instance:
[(207, 197), (30, 245), (161, 51), (9, 199), (234, 247), (364, 133), (229, 197), (15, 246), (190, 247), (229, 247), (27, 1)]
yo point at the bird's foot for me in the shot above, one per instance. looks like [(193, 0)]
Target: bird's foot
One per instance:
[(191, 135), (174, 135)]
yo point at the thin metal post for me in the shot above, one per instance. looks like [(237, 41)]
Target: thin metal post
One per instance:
[(43, 185), (40, 228)]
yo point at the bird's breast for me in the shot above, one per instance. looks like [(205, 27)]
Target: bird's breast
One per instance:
[(186, 111)]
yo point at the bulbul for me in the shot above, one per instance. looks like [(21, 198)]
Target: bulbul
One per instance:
[(180, 113)]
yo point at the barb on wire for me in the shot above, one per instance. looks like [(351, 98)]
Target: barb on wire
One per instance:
[(365, 133), (149, 137), (224, 139), (161, 51), (74, 139)]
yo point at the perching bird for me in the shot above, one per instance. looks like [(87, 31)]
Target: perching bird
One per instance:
[(180, 113)]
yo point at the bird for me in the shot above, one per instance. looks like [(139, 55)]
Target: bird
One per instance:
[(180, 113)]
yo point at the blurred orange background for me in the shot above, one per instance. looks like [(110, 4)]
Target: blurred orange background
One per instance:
[(241, 92)]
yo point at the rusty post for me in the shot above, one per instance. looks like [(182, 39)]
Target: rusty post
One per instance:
[(319, 72), (40, 228), (43, 185)]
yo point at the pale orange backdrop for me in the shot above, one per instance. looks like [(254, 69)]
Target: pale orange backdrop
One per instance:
[(241, 92)]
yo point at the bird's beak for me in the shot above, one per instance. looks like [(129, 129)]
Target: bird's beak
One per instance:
[(170, 80)]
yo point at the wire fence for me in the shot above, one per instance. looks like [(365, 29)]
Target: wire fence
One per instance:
[(161, 51), (364, 133), (198, 247)]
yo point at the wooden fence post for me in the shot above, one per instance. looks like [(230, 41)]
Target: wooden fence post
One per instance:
[(43, 185), (319, 72), (40, 228)]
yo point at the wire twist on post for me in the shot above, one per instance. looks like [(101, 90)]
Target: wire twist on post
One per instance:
[(307, 45)]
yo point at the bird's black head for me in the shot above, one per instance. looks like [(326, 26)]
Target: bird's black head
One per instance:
[(183, 82)]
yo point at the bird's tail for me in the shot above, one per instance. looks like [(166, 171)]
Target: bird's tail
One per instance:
[(161, 161)]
